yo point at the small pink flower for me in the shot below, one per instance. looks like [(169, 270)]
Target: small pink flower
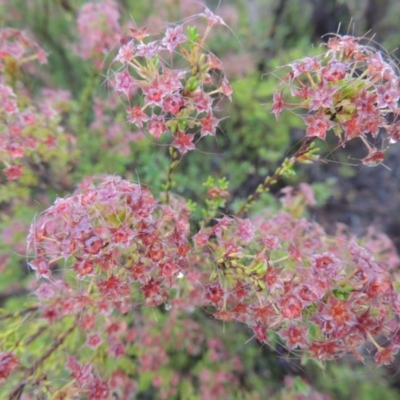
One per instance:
[(212, 19), (291, 307), (13, 172), (203, 101), (183, 142), (15, 150), (321, 97), (147, 50), (41, 266), (137, 116), (294, 335), (306, 64), (94, 340), (245, 230), (388, 96), (173, 37), (156, 126), (226, 88), (154, 93), (334, 71), (208, 125), (126, 53), (124, 82), (173, 103), (214, 62), (318, 125), (278, 104), (171, 80)]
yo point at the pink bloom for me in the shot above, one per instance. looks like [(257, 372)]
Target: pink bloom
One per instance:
[(301, 92), (45, 291), (226, 88), (394, 132), (334, 71), (348, 44), (29, 117), (271, 242), (278, 104), (203, 102), (375, 157), (388, 96), (137, 116), (291, 307), (173, 37), (365, 103), (13, 172), (321, 97), (183, 142), (353, 128), (173, 103), (148, 50), (154, 93), (170, 79), (260, 332), (126, 53), (212, 19), (294, 335), (208, 125), (214, 62), (94, 340), (124, 82), (156, 126), (245, 230), (41, 266), (82, 374), (385, 356), (377, 67), (15, 150), (317, 125), (83, 268), (306, 64)]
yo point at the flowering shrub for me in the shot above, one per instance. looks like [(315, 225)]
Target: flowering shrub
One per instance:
[(178, 100), (350, 89), (127, 277), (98, 27), (26, 127)]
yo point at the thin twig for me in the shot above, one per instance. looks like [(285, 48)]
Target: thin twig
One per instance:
[(17, 392), (272, 180), (19, 313)]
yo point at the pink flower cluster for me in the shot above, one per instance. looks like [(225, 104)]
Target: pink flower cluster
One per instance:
[(24, 127), (154, 344), (19, 48), (22, 131), (162, 98), (99, 30), (352, 89), (323, 296), (110, 235)]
